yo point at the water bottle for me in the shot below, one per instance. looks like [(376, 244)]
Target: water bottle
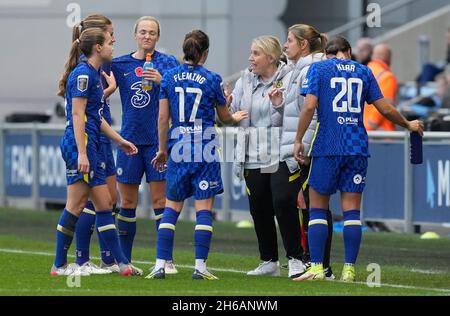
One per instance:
[(416, 148), (147, 84)]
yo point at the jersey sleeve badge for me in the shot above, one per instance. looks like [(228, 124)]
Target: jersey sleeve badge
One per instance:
[(82, 82)]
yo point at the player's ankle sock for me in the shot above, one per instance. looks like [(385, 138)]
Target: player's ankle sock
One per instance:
[(105, 253), (83, 233), (64, 236), (317, 234), (160, 264), (158, 216), (352, 235), (107, 230), (166, 232), (200, 265), (126, 224), (203, 234)]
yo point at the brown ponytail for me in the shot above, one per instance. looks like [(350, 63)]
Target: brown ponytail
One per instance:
[(194, 45), (74, 56), (317, 41), (85, 45), (323, 42)]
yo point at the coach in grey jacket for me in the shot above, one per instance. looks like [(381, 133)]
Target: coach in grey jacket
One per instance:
[(303, 47), (251, 94)]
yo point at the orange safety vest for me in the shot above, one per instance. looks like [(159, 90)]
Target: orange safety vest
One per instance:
[(374, 120)]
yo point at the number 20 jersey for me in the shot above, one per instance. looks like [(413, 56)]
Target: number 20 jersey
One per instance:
[(140, 108), (342, 87)]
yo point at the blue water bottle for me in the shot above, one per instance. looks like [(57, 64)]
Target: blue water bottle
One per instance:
[(416, 148)]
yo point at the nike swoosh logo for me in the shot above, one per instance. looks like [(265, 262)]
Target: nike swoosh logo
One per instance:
[(126, 74)]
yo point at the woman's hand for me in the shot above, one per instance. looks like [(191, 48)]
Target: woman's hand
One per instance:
[(239, 116), (83, 163), (298, 151), (110, 80), (305, 161), (416, 126), (228, 94), (128, 147), (152, 75), (160, 161), (276, 96)]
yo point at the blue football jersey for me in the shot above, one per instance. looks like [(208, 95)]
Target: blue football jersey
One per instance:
[(140, 108), (342, 88), (193, 93), (106, 67), (85, 82)]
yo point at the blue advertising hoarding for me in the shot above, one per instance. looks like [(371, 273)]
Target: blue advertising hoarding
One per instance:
[(18, 168), (383, 197), (431, 189), (52, 169)]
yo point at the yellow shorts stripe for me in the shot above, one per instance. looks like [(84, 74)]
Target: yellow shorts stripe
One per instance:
[(126, 219), (106, 227), (294, 176), (313, 139), (248, 190), (309, 174), (318, 221), (88, 211), (167, 226), (352, 223), (204, 227), (86, 139), (64, 230)]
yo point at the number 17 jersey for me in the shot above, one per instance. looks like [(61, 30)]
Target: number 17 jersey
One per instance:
[(342, 87), (193, 93)]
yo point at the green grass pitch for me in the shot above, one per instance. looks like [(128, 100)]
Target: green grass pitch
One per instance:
[(409, 266)]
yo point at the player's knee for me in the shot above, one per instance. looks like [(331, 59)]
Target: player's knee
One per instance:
[(128, 202), (106, 204), (77, 205), (159, 201)]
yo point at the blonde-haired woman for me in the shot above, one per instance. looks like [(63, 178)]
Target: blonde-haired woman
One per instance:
[(304, 46), (262, 128), (140, 124)]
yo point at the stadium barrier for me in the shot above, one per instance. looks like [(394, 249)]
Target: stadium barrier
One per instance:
[(33, 174)]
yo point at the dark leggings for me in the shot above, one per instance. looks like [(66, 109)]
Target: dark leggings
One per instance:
[(275, 195)]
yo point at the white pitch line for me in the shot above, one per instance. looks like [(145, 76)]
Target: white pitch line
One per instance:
[(48, 254), (426, 271)]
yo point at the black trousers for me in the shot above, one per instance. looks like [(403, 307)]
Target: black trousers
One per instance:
[(273, 195)]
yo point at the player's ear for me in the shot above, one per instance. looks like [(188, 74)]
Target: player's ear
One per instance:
[(98, 48), (304, 44)]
